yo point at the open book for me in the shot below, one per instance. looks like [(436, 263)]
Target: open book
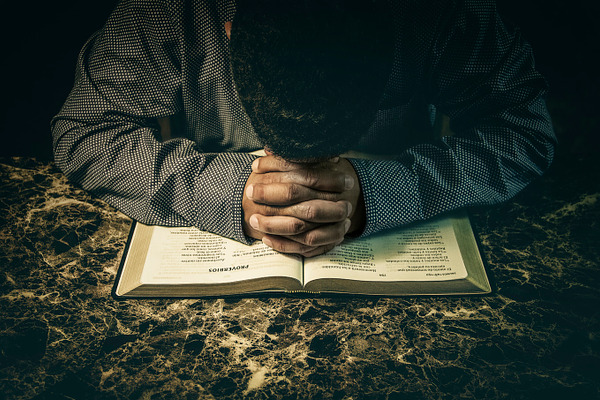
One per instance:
[(434, 257)]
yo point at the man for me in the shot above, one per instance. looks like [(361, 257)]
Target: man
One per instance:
[(167, 63)]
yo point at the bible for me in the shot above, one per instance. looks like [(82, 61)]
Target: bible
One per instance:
[(435, 257)]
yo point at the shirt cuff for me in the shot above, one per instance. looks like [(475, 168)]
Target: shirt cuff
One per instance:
[(219, 194), (237, 211), (390, 194)]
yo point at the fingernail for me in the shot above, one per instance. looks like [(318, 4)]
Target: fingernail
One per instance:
[(349, 209), (266, 241), (253, 222), (255, 165), (249, 191), (347, 225), (349, 182), (335, 159)]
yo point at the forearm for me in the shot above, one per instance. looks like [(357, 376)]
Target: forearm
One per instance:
[(167, 183), (106, 136), (486, 164)]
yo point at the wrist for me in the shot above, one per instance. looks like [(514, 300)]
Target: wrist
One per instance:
[(244, 232), (358, 217), (358, 214)]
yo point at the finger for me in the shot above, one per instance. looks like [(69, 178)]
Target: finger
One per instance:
[(335, 159), (317, 211), (323, 235), (320, 211), (284, 194), (318, 179), (284, 245), (299, 218), (272, 164), (277, 164), (280, 225), (320, 250)]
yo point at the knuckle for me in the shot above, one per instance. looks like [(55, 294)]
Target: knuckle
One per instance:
[(312, 178), (291, 247), (266, 225), (310, 212), (329, 196), (267, 178), (279, 245), (297, 226), (310, 239), (282, 247), (286, 165), (270, 210), (291, 192)]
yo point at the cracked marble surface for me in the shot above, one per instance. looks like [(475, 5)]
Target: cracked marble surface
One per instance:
[(62, 335)]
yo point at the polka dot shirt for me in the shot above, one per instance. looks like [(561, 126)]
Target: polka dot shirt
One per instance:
[(454, 60)]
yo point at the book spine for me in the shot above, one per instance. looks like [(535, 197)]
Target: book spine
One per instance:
[(302, 291)]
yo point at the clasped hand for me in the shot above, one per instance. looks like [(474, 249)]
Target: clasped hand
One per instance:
[(302, 208)]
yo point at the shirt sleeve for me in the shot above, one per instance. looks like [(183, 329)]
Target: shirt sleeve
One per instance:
[(106, 136), (483, 78)]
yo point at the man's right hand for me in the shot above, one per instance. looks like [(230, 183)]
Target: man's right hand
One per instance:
[(296, 207)]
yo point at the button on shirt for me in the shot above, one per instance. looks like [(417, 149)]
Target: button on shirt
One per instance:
[(160, 58)]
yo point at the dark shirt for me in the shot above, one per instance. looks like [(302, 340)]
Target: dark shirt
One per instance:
[(170, 58)]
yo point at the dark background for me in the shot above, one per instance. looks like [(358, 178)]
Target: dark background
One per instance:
[(41, 40)]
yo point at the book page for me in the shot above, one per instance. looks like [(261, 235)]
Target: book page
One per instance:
[(189, 255), (423, 252)]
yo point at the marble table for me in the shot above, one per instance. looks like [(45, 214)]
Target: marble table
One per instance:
[(62, 335)]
